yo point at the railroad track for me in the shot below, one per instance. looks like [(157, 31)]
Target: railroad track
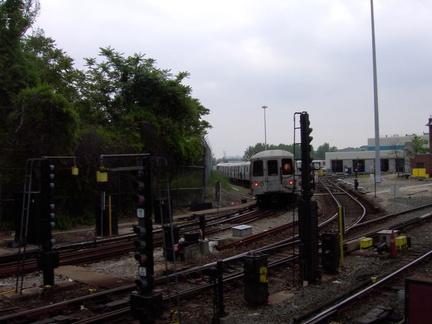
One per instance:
[(338, 308), (102, 249), (280, 252)]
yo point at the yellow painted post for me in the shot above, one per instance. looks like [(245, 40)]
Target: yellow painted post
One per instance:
[(341, 234), (109, 215)]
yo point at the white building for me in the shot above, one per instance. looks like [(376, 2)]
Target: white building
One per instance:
[(393, 152)]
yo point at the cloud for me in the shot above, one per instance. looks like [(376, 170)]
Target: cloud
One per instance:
[(290, 55)]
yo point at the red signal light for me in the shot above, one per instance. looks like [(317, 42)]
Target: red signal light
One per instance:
[(291, 182), (256, 184), (141, 258)]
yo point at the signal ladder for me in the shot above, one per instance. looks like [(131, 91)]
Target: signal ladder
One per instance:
[(24, 222)]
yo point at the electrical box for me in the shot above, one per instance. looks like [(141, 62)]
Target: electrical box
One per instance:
[(242, 230), (330, 255), (366, 243), (255, 279), (401, 241), (384, 236)]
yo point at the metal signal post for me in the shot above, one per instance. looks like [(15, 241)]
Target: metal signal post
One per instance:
[(47, 259), (308, 209), (144, 243), (145, 306)]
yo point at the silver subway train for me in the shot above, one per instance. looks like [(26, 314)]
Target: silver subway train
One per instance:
[(270, 175)]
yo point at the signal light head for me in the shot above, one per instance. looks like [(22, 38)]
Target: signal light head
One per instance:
[(140, 230), (140, 244), (141, 258), (139, 199), (138, 185)]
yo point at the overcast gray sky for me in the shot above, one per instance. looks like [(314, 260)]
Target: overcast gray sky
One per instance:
[(289, 55)]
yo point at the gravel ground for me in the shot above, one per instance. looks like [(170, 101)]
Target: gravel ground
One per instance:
[(287, 299)]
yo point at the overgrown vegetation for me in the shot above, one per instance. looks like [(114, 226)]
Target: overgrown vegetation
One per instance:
[(116, 104)]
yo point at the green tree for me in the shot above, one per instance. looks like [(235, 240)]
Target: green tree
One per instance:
[(46, 124), (145, 108), (319, 154), (418, 146), (49, 65), (16, 16)]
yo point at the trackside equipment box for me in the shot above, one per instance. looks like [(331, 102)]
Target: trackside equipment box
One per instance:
[(384, 236), (401, 241), (366, 242), (242, 230)]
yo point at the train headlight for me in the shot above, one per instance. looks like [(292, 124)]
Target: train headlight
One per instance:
[(256, 184), (291, 182), (262, 183)]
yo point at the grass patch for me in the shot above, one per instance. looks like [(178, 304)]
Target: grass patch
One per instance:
[(216, 176), (64, 222)]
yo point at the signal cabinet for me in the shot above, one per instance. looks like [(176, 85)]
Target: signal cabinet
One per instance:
[(255, 279), (330, 256)]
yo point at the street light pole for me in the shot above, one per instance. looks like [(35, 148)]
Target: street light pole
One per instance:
[(377, 177), (265, 128)]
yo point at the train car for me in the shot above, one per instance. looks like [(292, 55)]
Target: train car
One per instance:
[(236, 172), (272, 176)]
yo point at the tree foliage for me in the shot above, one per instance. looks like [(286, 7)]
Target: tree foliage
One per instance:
[(146, 108), (418, 146), (46, 124), (116, 104), (319, 154), (16, 17)]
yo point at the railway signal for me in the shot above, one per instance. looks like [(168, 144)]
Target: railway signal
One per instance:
[(146, 306), (144, 256), (308, 220), (139, 197), (47, 215), (307, 172), (144, 230), (47, 259)]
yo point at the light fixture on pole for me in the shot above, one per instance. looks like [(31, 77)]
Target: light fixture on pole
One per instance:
[(265, 128)]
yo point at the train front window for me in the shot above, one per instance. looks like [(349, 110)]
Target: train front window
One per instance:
[(272, 167), (287, 166), (258, 169)]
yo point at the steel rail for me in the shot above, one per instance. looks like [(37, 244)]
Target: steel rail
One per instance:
[(328, 312), (129, 288), (360, 218)]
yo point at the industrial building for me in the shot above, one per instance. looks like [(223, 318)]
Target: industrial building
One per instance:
[(394, 152)]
